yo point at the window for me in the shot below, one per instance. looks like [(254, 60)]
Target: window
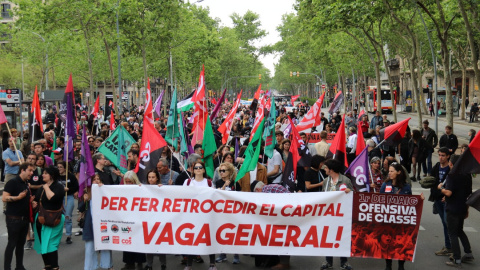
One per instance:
[(5, 11)]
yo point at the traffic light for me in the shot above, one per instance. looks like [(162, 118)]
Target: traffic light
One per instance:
[(259, 76), (298, 74), (291, 74)]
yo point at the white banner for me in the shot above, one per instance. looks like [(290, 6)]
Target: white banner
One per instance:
[(196, 220)]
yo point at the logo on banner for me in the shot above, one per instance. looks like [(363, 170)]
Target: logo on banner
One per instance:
[(126, 229), (127, 241), (114, 228), (106, 239), (103, 227), (116, 240)]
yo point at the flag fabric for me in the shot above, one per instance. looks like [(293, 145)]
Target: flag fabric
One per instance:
[(237, 148), (116, 145), (290, 171), (218, 105), (150, 150), (256, 97), (186, 104), (112, 121), (70, 126), (96, 108), (287, 131), (294, 98), (313, 117), (360, 141), (251, 154), (226, 126), (158, 104), (121, 161), (360, 115), (269, 131), (172, 123), (148, 114), (213, 101), (258, 118), (87, 170), (201, 112), (209, 147), (338, 149), (358, 171), (469, 161), (54, 146), (336, 103), (183, 139), (36, 110), (393, 134), (3, 118)]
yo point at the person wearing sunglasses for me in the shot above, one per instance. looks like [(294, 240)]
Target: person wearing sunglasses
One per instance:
[(199, 179)]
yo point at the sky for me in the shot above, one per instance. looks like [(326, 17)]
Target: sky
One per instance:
[(270, 12)]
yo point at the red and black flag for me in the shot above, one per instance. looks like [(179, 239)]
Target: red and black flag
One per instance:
[(338, 149), (469, 161), (37, 125), (393, 134), (256, 98), (360, 115), (290, 172), (360, 141), (336, 103)]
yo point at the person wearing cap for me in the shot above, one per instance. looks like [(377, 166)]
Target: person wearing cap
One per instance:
[(57, 155), (429, 135)]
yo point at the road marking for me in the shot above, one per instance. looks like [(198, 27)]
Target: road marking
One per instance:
[(421, 228)]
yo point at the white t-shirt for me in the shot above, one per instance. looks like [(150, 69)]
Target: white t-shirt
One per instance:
[(275, 160), (193, 182)]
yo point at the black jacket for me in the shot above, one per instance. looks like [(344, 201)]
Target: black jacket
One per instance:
[(449, 141), (432, 139), (422, 147)]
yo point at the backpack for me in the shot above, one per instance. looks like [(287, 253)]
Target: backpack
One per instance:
[(428, 182), (210, 184)]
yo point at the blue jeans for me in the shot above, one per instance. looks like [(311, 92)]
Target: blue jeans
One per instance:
[(440, 206), (428, 162), (91, 259), (69, 205)]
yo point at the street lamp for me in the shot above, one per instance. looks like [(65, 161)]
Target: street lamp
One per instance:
[(46, 60)]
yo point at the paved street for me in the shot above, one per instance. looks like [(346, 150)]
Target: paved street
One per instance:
[(430, 238)]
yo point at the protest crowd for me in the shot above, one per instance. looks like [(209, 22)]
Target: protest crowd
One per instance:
[(267, 145)]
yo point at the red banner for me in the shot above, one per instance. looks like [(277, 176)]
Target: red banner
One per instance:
[(315, 137), (385, 226)]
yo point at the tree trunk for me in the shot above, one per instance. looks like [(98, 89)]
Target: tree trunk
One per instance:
[(471, 43), (412, 65), (112, 77), (379, 86), (464, 91), (448, 84), (90, 67)]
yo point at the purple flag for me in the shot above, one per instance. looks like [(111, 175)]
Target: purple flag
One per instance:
[(286, 131), (236, 148), (87, 171), (69, 120), (358, 172), (218, 106), (158, 104)]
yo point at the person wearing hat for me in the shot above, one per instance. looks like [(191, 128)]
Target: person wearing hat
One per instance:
[(57, 155), (432, 140)]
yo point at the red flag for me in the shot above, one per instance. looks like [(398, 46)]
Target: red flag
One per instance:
[(36, 110), (3, 119), (469, 161), (227, 124), (148, 114), (294, 146), (360, 115), (338, 149), (393, 134), (313, 117), (213, 101), (112, 121), (201, 112), (360, 141), (96, 107), (294, 98), (257, 94)]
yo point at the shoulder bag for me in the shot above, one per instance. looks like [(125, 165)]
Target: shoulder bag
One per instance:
[(50, 218)]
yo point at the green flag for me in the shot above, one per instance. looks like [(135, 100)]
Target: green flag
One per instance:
[(209, 147), (251, 153), (115, 147), (172, 123), (269, 132), (54, 145)]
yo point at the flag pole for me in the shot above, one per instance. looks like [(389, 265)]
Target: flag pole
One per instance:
[(14, 146), (371, 175), (66, 168)]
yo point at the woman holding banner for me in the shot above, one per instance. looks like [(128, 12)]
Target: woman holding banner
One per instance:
[(153, 178), (396, 183), (91, 256), (199, 180)]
